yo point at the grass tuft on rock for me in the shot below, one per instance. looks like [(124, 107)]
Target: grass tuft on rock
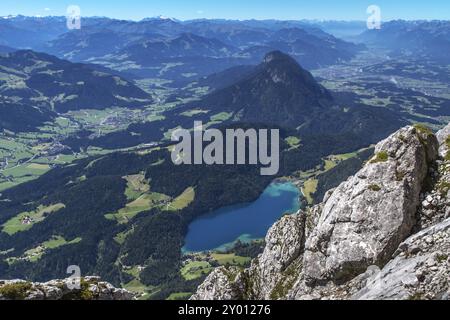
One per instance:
[(400, 175), (374, 187), (423, 129), (380, 157), (15, 291), (83, 293)]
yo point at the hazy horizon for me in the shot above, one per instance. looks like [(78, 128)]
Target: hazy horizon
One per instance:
[(213, 19), (326, 10)]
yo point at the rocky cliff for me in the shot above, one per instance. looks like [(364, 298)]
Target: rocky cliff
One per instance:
[(382, 234), (89, 288)]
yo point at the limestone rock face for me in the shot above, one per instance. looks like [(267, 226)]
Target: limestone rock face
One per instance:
[(420, 270), (442, 136), (284, 244), (221, 284), (90, 288), (370, 214), (435, 205), (393, 214)]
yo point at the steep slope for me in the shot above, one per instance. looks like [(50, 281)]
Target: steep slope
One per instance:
[(278, 91), (184, 45), (30, 32), (313, 48), (373, 220), (20, 118), (46, 81), (226, 78), (183, 57), (6, 49), (91, 42), (367, 217)]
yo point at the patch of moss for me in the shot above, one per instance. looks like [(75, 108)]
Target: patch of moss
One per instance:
[(400, 175), (282, 288), (423, 129), (442, 258), (380, 157), (231, 275), (416, 296), (15, 291), (83, 293), (374, 187), (443, 187)]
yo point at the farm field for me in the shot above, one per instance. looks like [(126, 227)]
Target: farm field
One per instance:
[(26, 220), (25, 156), (36, 253)]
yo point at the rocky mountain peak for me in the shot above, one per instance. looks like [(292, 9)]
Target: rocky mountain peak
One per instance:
[(368, 239), (285, 69), (279, 57), (278, 91), (90, 288)]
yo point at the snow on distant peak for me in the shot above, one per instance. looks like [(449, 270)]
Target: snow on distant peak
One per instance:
[(9, 17), (160, 17)]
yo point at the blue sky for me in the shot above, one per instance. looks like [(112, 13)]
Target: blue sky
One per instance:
[(235, 9)]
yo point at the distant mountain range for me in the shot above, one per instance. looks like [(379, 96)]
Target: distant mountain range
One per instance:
[(183, 51), (175, 50), (6, 49), (191, 56), (44, 84)]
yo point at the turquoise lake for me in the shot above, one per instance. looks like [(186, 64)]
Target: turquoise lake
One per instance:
[(221, 228)]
